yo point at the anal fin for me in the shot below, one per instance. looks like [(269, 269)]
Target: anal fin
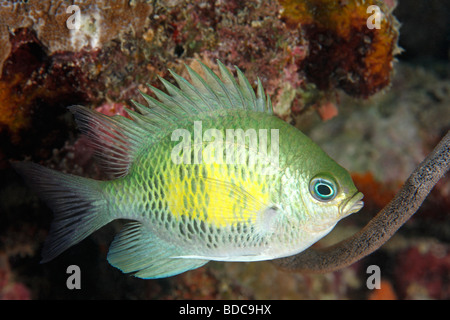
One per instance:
[(136, 250)]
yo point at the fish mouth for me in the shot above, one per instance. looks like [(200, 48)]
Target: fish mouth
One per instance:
[(354, 204)]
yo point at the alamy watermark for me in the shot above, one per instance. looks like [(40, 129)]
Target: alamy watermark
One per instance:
[(374, 21), (74, 21), (374, 279), (74, 280), (250, 147)]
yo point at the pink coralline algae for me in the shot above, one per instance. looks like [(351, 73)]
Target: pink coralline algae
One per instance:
[(112, 109)]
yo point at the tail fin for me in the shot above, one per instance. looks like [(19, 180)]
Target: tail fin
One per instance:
[(78, 204)]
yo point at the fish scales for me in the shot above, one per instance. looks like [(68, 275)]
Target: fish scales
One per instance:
[(181, 191)]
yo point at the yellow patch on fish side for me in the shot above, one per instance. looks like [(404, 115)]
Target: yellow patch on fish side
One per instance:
[(217, 194)]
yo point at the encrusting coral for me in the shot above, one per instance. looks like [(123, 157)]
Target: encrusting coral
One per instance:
[(303, 54), (344, 51), (100, 21)]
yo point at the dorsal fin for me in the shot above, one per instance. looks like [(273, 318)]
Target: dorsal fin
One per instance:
[(117, 140), (209, 93)]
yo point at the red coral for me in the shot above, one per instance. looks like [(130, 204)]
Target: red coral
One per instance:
[(423, 274)]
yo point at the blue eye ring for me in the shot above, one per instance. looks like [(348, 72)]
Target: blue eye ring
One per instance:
[(323, 189)]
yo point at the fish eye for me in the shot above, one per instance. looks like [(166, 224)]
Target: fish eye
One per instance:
[(323, 189)]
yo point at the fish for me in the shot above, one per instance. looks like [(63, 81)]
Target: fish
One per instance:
[(205, 171)]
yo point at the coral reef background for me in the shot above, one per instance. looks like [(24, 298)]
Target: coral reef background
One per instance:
[(377, 100)]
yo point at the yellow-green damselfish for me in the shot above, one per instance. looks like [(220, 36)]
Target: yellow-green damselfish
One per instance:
[(206, 172)]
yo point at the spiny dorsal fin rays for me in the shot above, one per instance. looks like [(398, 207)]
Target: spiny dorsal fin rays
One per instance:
[(154, 116), (185, 90), (230, 82), (167, 102), (212, 100), (209, 93), (142, 120), (178, 97), (158, 108), (192, 93), (260, 98), (220, 90), (247, 90), (144, 110), (118, 139)]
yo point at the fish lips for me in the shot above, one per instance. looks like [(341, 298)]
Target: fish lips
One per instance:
[(352, 205)]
